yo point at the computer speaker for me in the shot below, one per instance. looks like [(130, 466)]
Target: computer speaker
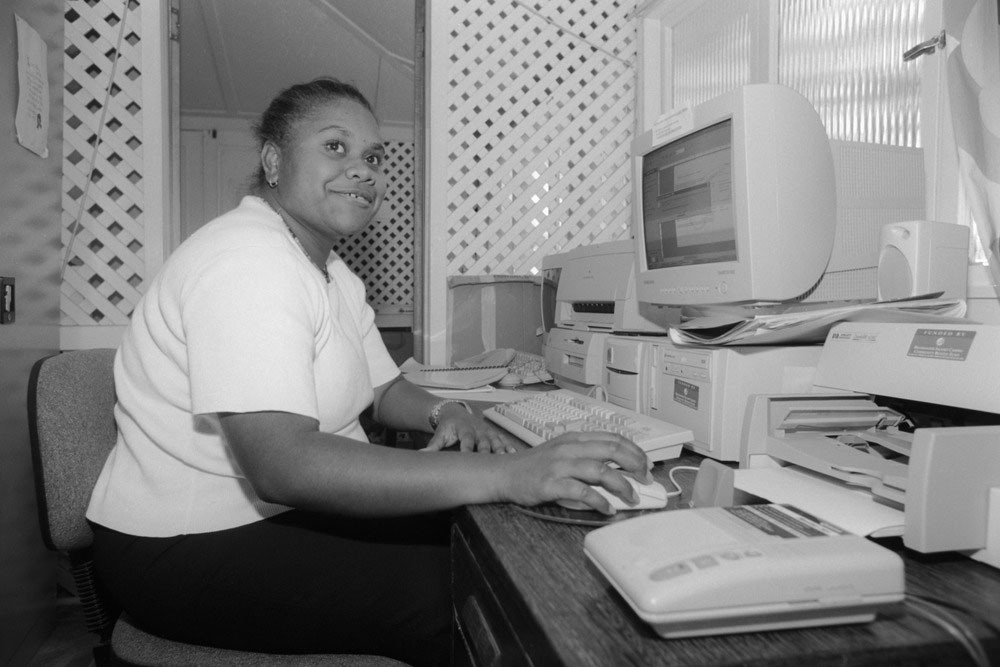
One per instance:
[(921, 257)]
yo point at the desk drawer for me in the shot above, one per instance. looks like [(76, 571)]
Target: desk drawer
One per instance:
[(488, 636)]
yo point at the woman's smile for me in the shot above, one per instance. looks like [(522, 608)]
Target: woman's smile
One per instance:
[(360, 197)]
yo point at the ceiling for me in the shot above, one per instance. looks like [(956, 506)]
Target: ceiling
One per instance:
[(235, 55)]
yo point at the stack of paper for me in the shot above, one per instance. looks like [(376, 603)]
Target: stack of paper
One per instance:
[(806, 325)]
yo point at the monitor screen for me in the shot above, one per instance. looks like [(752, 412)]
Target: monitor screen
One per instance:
[(687, 199)]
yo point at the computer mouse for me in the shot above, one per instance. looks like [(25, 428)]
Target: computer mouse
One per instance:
[(510, 380), (651, 496)]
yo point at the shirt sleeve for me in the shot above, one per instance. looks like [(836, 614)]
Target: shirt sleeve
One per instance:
[(249, 323)]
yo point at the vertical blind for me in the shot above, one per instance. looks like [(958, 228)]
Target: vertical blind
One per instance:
[(845, 56)]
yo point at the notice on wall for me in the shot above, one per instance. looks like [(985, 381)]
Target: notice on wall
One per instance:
[(32, 119)]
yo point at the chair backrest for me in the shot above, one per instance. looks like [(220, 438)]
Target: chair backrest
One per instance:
[(71, 400)]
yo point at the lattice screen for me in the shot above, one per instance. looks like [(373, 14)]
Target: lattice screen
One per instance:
[(541, 123), (104, 277), (382, 255)]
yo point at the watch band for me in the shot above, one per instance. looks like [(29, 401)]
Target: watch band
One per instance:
[(436, 411)]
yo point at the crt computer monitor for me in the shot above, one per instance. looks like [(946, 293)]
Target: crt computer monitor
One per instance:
[(734, 203)]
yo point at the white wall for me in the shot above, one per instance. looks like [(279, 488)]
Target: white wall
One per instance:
[(30, 252)]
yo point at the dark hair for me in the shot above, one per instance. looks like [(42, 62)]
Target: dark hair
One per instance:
[(294, 103)]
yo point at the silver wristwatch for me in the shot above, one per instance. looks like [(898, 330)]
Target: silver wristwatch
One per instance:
[(436, 411)]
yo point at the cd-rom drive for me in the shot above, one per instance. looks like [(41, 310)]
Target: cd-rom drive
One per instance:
[(704, 389)]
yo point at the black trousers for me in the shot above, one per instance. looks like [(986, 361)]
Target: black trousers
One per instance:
[(295, 583)]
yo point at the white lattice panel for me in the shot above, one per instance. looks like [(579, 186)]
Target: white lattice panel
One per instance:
[(541, 120), (104, 277), (382, 255)]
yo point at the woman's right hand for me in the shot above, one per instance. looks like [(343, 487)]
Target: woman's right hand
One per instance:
[(565, 467)]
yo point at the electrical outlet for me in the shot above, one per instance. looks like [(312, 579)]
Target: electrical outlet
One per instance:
[(6, 300)]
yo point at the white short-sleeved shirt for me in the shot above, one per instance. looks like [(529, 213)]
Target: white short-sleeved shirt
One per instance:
[(238, 320)]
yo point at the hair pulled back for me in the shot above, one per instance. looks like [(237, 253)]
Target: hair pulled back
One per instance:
[(292, 105)]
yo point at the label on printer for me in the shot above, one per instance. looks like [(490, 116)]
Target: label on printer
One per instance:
[(947, 344)]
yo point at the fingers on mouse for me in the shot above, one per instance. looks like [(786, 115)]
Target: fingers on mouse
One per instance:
[(651, 496)]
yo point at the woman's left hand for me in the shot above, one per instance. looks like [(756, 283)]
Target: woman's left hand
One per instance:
[(471, 432)]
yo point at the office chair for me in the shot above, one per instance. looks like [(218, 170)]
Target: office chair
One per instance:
[(71, 398)]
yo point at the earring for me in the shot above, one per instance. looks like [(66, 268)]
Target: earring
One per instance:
[(272, 184)]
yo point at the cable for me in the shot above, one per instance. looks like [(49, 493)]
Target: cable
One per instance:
[(97, 144), (941, 617), (598, 389), (541, 304), (993, 627), (671, 494)]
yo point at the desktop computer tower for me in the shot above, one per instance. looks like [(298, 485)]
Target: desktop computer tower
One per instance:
[(703, 389), (573, 358)]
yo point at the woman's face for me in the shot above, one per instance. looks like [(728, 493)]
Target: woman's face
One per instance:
[(330, 177)]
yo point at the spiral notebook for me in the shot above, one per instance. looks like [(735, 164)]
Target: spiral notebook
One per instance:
[(477, 371), (456, 378)]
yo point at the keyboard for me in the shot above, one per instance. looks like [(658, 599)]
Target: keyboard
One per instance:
[(545, 415)]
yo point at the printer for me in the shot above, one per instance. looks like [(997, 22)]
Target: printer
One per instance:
[(595, 297), (900, 436)]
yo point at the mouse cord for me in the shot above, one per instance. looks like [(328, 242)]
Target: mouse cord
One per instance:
[(673, 480), (944, 619)]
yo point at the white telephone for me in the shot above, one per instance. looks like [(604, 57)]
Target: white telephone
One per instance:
[(720, 570)]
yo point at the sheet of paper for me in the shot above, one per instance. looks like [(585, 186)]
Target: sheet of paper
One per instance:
[(824, 497), (672, 124), (32, 119)]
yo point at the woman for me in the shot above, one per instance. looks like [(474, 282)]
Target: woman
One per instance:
[(242, 506)]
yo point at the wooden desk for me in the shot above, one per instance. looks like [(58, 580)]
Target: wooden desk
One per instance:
[(525, 594)]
